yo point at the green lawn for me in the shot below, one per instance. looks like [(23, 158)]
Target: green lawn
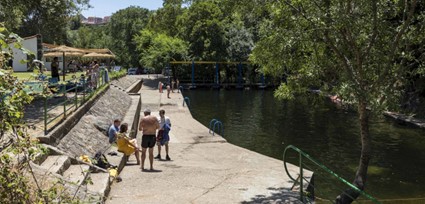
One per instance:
[(29, 75)]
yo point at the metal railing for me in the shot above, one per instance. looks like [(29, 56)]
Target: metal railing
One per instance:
[(301, 180), (216, 123), (83, 90)]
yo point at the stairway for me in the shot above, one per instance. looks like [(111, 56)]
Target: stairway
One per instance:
[(88, 182)]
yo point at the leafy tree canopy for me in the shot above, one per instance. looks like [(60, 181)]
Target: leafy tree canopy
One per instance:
[(46, 17), (352, 48), (202, 26), (124, 25), (156, 50)]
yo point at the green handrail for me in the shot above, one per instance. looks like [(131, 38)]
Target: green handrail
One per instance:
[(326, 169), (101, 85)]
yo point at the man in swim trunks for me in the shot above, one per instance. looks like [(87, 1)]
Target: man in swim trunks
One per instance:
[(148, 125)]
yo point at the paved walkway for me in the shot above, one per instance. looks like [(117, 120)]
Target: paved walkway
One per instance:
[(203, 169)]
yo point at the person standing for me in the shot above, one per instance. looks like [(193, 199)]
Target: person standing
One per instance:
[(10, 62), (173, 85), (95, 73), (168, 91), (160, 86), (148, 125), (178, 85), (163, 134), (54, 68)]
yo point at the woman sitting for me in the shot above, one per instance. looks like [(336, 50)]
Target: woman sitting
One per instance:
[(126, 144)]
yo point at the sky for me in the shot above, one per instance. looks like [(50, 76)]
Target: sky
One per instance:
[(103, 8)]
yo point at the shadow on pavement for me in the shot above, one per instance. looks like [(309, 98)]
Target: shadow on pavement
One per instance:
[(152, 171), (280, 195), (153, 81)]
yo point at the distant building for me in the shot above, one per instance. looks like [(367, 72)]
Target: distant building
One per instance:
[(106, 19), (92, 20)]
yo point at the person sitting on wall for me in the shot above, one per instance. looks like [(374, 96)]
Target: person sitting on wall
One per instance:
[(113, 130), (127, 145)]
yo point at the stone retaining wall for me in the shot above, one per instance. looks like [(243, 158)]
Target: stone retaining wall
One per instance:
[(127, 81), (85, 138)]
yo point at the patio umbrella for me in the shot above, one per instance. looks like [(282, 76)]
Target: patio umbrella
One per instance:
[(66, 51), (99, 56), (67, 54), (64, 48), (95, 55)]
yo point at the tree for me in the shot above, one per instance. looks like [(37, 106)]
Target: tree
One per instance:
[(202, 26), (240, 40), (352, 48), (124, 25), (46, 17), (90, 37), (164, 19), (18, 183), (157, 50)]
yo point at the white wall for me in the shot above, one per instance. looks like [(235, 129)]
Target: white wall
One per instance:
[(18, 55)]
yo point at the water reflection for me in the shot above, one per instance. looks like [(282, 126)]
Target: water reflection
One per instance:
[(255, 120)]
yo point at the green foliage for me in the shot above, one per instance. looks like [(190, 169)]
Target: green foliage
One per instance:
[(46, 17), (355, 49), (90, 37), (157, 50), (355, 55), (202, 26), (124, 25), (164, 20), (240, 40), (18, 184), (116, 75)]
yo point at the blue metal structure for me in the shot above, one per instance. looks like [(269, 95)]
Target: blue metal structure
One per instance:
[(211, 124), (216, 123)]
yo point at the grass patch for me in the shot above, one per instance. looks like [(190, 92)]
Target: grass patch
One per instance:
[(28, 76), (116, 75)]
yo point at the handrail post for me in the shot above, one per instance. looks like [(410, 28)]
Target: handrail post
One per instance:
[(84, 90), (301, 179), (76, 96), (45, 115), (211, 125), (65, 98)]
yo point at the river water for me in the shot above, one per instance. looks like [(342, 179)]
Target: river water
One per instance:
[(255, 120)]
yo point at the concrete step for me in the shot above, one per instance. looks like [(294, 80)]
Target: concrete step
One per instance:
[(77, 173), (100, 184), (56, 163), (40, 158)]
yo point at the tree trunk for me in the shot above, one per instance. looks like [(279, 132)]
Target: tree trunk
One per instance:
[(350, 195)]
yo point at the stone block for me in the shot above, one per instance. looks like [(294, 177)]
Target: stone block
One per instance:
[(56, 164)]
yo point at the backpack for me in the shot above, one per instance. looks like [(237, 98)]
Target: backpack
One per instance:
[(101, 161)]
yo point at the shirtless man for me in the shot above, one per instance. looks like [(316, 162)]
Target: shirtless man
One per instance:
[(148, 125)]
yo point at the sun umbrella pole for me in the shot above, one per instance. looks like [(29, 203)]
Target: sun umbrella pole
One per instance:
[(63, 63)]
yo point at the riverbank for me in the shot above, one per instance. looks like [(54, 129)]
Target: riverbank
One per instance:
[(203, 169)]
